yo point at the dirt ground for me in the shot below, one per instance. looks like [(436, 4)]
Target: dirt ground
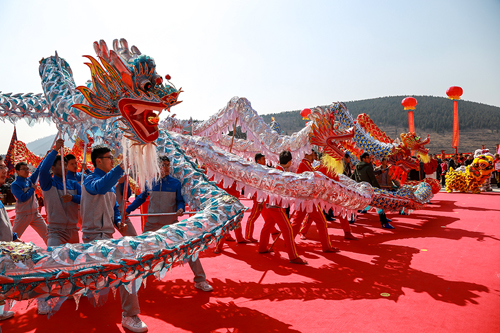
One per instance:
[(470, 140)]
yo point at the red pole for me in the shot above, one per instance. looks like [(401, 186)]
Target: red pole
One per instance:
[(411, 122)]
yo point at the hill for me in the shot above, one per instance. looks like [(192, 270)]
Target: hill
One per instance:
[(479, 123), (41, 146)]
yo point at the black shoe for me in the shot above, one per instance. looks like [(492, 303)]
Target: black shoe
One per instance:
[(387, 225)]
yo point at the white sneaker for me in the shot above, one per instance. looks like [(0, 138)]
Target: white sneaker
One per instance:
[(203, 285), (134, 323), (6, 315), (43, 307)]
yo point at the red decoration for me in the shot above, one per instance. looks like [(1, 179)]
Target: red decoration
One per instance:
[(411, 122), (168, 77), (455, 126), (304, 113), (409, 103), (10, 161), (454, 92)]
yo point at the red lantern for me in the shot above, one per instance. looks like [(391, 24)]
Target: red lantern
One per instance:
[(454, 92), (304, 113), (409, 103)]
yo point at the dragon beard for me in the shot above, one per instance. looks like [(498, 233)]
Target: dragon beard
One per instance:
[(138, 161)]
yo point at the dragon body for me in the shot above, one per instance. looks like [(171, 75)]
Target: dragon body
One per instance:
[(126, 89), (369, 138), (88, 269)]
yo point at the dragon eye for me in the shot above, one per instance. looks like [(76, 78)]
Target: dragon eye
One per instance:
[(159, 80), (145, 85)]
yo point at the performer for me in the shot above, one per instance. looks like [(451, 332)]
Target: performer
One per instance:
[(274, 214), (165, 197), (316, 215), (23, 188), (130, 229), (382, 175), (62, 209), (6, 234), (257, 206), (72, 173), (100, 215), (364, 173), (431, 167), (238, 231)]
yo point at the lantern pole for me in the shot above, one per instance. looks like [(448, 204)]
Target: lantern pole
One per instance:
[(409, 103), (454, 94)]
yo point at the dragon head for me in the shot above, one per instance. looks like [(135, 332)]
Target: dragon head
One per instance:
[(325, 135), (482, 167), (125, 84), (411, 141)]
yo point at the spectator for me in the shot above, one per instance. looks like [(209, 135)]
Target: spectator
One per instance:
[(382, 175), (439, 169), (461, 159), (430, 168), (453, 163), (444, 170), (469, 160), (496, 164), (346, 161)]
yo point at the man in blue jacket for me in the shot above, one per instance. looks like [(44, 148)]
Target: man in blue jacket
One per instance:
[(100, 217), (6, 234), (72, 169), (23, 188), (119, 189), (166, 197), (61, 208)]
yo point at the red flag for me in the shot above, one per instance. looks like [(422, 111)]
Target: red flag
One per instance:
[(9, 161), (455, 125)]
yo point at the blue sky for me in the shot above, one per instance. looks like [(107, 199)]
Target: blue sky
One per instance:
[(281, 55)]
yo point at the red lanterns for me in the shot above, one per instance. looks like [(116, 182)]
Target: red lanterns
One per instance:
[(454, 92), (409, 103), (304, 113)]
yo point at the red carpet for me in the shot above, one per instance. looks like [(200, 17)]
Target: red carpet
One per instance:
[(438, 271)]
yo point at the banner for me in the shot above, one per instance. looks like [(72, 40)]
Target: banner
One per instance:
[(9, 158)]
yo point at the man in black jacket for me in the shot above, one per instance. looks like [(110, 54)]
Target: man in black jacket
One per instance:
[(364, 173)]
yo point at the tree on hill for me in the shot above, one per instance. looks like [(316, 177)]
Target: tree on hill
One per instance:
[(431, 114)]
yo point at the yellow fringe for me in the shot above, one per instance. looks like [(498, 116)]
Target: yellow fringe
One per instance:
[(424, 158), (332, 164)]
